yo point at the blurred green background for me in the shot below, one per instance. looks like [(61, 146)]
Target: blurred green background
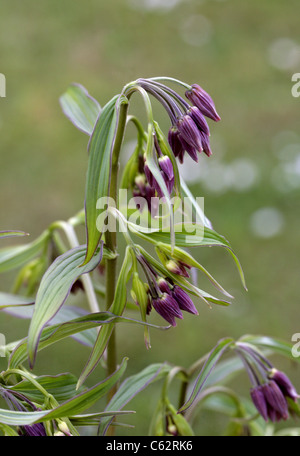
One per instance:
[(244, 54)]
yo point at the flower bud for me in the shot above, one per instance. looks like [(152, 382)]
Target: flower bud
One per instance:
[(168, 308), (184, 301), (165, 165), (284, 383), (203, 101)]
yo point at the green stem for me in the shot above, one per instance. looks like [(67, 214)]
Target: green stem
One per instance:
[(111, 242)]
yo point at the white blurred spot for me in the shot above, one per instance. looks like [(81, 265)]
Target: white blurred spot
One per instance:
[(266, 222), (244, 174), (286, 175), (218, 178), (284, 54), (154, 4), (196, 30), (282, 139)]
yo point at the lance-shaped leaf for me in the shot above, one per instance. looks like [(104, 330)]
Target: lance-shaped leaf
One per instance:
[(54, 289), (55, 333), (16, 303), (15, 256), (117, 308), (99, 170), (22, 307), (131, 387), (12, 233), (152, 162), (61, 386), (80, 108), (208, 366), (188, 235), (15, 418), (183, 282), (271, 344), (86, 399)]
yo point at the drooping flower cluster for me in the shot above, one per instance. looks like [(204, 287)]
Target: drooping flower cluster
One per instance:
[(166, 297), (189, 133), (269, 394)]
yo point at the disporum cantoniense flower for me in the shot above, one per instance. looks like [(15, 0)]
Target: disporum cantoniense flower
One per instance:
[(203, 101), (167, 298), (284, 383), (189, 131), (269, 395)]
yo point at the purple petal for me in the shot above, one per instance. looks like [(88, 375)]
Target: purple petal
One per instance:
[(275, 398), (259, 401), (166, 166), (199, 119), (188, 131), (168, 308), (203, 101), (183, 300), (284, 384)]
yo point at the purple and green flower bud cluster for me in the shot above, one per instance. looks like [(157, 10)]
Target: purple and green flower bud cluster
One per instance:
[(167, 298), (272, 389), (145, 186), (189, 131)]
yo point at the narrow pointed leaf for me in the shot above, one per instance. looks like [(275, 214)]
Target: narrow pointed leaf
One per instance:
[(15, 256), (272, 344), (132, 386), (183, 282), (57, 332), (80, 108), (14, 418), (188, 235), (86, 399), (98, 173), (54, 289), (61, 386), (16, 302), (152, 163), (208, 366), (11, 233)]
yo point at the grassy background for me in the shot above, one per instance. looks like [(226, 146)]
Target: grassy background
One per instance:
[(244, 55)]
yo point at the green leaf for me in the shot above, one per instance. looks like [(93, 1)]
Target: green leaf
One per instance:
[(185, 257), (22, 307), (131, 387), (80, 108), (86, 399), (99, 170), (188, 235), (152, 162), (16, 302), (208, 366), (117, 308), (54, 289), (13, 418), (183, 282), (55, 333), (92, 419), (10, 233), (273, 344), (15, 256), (61, 386)]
